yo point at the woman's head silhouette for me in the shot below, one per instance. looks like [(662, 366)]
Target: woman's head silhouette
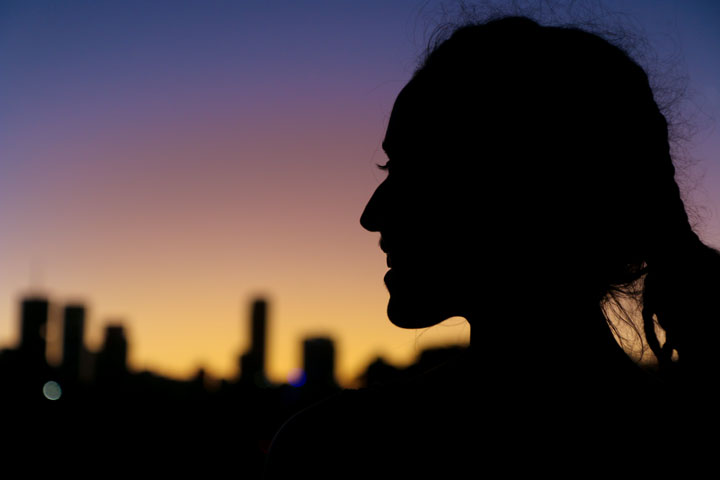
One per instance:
[(529, 187), (528, 163)]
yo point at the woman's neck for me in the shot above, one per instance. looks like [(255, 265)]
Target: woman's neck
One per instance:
[(557, 338)]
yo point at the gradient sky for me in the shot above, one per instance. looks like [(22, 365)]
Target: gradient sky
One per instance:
[(165, 161)]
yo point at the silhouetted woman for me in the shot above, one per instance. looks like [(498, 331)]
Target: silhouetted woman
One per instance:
[(531, 190)]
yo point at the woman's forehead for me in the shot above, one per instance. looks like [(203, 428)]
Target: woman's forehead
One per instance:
[(418, 116)]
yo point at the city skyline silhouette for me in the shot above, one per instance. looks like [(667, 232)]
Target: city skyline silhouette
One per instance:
[(80, 364), (99, 404)]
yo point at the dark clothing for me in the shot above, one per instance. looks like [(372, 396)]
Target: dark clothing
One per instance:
[(449, 423)]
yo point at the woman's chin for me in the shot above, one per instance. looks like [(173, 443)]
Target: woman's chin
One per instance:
[(413, 314)]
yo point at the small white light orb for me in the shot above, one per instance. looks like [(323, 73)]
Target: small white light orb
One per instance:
[(52, 390)]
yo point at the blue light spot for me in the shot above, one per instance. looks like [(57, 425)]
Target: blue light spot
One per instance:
[(296, 377), (52, 390)]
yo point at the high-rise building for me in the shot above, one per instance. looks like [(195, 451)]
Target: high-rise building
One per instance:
[(319, 364), (73, 344), (112, 359), (252, 363), (33, 327)]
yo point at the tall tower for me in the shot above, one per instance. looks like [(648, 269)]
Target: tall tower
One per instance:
[(34, 319), (73, 334), (259, 332), (252, 363)]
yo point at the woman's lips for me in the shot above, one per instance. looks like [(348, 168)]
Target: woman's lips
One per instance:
[(388, 278)]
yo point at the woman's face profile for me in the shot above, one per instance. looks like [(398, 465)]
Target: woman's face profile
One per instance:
[(422, 220)]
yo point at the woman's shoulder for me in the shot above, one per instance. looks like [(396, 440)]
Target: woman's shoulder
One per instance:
[(315, 438), (381, 430)]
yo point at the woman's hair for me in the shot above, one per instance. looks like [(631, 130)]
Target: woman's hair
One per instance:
[(576, 116)]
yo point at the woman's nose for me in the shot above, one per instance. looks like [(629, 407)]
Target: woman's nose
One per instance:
[(371, 218)]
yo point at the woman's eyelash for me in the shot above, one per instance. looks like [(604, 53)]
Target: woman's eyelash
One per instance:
[(383, 167)]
